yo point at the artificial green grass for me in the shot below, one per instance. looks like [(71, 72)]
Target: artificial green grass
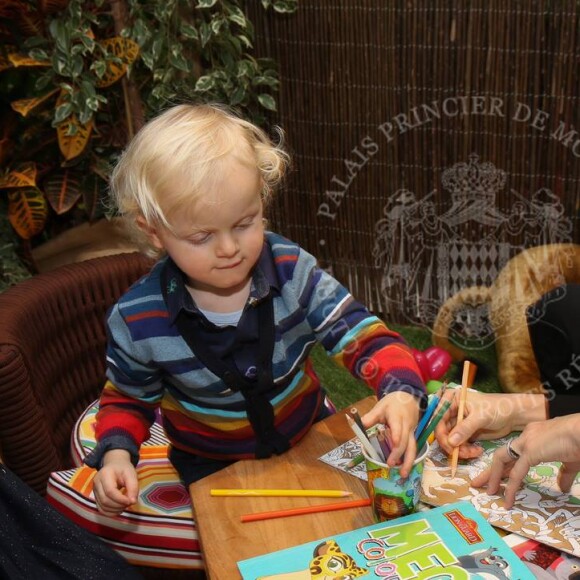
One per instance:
[(343, 389)]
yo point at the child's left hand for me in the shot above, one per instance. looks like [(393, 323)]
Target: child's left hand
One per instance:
[(399, 411)]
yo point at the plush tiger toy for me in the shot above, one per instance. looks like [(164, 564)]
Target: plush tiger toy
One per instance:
[(523, 280)]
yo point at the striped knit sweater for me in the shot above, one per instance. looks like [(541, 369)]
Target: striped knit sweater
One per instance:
[(150, 366)]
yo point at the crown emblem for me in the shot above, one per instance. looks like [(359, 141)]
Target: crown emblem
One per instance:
[(473, 181)]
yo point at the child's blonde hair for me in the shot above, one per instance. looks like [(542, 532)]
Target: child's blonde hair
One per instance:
[(176, 157)]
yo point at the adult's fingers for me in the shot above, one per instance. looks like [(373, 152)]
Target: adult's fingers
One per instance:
[(567, 474), (465, 430), (492, 476), (516, 475)]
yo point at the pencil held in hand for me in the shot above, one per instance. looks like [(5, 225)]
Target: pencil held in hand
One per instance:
[(469, 370)]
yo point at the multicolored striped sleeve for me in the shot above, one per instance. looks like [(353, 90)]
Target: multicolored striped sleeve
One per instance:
[(354, 338), (130, 396)]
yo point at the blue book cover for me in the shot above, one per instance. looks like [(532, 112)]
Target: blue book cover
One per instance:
[(452, 542)]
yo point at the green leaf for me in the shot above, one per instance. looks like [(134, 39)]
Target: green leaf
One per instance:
[(43, 81), (88, 90), (77, 65), (85, 115), (61, 34), (179, 62), (204, 83), (188, 31), (140, 32), (265, 80), (34, 42), (285, 6), (238, 96), (245, 40), (88, 42), (267, 101), (93, 103), (236, 46), (72, 129), (59, 64), (99, 67), (157, 47), (62, 112), (38, 54), (204, 33), (246, 68), (217, 24), (238, 17), (148, 59), (206, 3)]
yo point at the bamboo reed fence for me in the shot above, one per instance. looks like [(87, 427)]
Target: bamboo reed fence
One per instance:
[(431, 140)]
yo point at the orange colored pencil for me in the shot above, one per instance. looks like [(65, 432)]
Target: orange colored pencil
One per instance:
[(312, 509), (469, 370)]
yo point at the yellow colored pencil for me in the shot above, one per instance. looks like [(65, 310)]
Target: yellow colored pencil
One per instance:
[(469, 370), (280, 492)]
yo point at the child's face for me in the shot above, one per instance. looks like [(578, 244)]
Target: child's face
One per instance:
[(218, 244)]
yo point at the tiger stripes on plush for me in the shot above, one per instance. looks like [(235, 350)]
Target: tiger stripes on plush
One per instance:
[(522, 282)]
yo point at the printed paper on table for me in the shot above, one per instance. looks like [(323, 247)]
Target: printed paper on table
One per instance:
[(545, 562), (452, 542), (541, 511)]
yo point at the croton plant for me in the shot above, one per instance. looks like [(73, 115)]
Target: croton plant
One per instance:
[(79, 78)]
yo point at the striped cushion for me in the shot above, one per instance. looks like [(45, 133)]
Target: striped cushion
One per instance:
[(159, 530)]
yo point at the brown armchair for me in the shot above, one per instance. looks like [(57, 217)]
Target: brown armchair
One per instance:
[(52, 358)]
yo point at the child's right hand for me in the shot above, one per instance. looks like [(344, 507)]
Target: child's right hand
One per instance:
[(115, 485)]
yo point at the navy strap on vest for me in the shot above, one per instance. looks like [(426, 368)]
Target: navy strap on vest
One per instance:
[(258, 407)]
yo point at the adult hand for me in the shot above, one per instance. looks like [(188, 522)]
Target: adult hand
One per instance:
[(554, 440), (486, 416), (115, 484), (399, 411)]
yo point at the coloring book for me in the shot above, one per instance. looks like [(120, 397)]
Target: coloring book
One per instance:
[(447, 543), (541, 511)]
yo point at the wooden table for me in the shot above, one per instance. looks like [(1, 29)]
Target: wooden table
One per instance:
[(225, 540)]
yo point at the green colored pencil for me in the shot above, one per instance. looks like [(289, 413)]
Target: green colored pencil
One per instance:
[(431, 426), (356, 460)]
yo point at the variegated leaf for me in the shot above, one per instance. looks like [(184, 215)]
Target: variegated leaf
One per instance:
[(125, 49), (22, 176), (27, 211), (25, 106), (72, 146), (63, 190), (18, 59)]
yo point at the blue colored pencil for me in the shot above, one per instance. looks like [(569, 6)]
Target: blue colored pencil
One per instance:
[(429, 412), (431, 427)]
